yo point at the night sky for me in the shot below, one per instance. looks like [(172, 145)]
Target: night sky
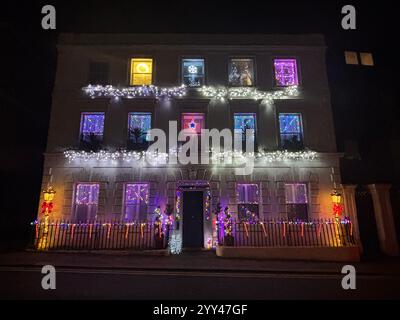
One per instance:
[(363, 99)]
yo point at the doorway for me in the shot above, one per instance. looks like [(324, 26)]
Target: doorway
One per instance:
[(193, 236)]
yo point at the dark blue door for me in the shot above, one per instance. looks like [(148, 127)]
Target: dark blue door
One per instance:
[(193, 219)]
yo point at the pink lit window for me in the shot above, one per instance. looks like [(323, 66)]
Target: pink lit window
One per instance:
[(193, 122), (286, 72)]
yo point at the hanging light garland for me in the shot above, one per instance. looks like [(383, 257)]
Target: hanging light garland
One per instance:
[(109, 91)]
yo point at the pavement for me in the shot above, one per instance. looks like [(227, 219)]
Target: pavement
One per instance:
[(188, 261)]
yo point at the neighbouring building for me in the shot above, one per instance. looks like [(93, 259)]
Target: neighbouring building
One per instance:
[(110, 89)]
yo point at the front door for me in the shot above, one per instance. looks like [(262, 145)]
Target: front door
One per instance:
[(193, 219)]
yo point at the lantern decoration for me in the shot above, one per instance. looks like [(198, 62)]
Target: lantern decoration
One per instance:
[(46, 209), (336, 200)]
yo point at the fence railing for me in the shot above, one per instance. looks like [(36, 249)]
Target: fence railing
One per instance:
[(279, 233), (99, 235)]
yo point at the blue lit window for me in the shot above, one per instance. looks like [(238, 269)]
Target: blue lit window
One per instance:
[(92, 126), (139, 126), (291, 132), (193, 72), (244, 121)]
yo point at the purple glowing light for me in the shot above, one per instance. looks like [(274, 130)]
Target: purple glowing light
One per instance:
[(87, 194), (92, 123), (286, 72)]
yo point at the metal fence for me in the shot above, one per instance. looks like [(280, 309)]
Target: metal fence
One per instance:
[(99, 235), (278, 233)]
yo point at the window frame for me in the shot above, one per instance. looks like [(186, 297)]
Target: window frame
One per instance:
[(181, 69), (128, 124), (298, 67), (93, 62), (124, 205), (130, 69), (280, 144), (90, 206), (82, 113), (193, 113), (246, 204), (294, 206), (253, 58)]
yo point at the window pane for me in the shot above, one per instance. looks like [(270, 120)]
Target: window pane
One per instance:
[(351, 57), (193, 72), (247, 193), (286, 72), (141, 71), (366, 59), (92, 124), (241, 72), (136, 201), (139, 125), (296, 193), (87, 194), (98, 72), (193, 122), (290, 128)]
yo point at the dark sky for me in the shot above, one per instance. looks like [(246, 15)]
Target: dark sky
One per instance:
[(28, 60)]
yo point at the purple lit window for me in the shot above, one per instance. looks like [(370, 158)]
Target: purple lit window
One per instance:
[(136, 201), (86, 201), (92, 125), (247, 198), (286, 72)]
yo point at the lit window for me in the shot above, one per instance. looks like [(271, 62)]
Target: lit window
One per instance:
[(366, 59), (290, 128), (241, 72), (141, 71), (193, 122), (244, 121), (286, 72), (247, 199), (139, 126), (98, 73), (92, 126), (193, 72), (351, 57), (296, 201), (136, 201), (86, 201)]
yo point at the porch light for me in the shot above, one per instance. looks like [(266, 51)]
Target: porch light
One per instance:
[(48, 194), (336, 197)]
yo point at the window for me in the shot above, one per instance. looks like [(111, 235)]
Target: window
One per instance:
[(290, 127), (286, 72), (296, 201), (136, 201), (139, 125), (86, 201), (351, 57), (193, 122), (141, 71), (247, 199), (92, 126), (98, 73), (244, 121), (241, 72), (193, 72), (366, 59)]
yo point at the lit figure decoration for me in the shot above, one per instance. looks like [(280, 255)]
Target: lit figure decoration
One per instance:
[(46, 209)]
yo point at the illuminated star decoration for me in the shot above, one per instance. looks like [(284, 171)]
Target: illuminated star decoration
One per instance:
[(192, 125)]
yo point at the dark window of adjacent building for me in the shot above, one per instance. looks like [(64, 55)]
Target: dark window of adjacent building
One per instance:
[(296, 201), (241, 72), (193, 72), (98, 73), (291, 131), (248, 200)]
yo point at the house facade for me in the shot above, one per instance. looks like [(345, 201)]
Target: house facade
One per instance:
[(111, 89)]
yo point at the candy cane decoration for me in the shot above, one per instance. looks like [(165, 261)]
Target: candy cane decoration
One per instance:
[(90, 231), (126, 231), (72, 231), (302, 229), (37, 231), (263, 227), (284, 229), (141, 229), (351, 228), (245, 228), (319, 229), (108, 230)]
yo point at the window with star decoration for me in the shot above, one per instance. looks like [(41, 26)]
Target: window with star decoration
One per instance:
[(193, 122)]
